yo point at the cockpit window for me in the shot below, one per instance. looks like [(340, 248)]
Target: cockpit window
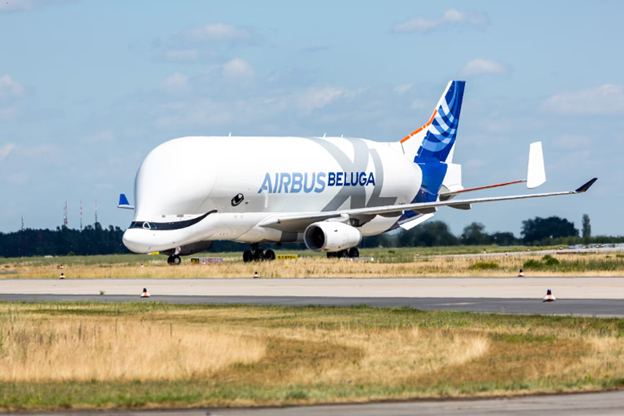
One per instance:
[(146, 225)]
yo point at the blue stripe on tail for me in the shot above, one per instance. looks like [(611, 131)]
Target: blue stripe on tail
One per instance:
[(442, 132)]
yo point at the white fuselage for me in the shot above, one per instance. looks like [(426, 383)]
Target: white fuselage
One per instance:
[(242, 181)]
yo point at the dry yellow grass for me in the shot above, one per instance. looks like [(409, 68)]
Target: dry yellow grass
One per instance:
[(320, 267), (148, 354), (72, 348), (391, 354), (115, 349)]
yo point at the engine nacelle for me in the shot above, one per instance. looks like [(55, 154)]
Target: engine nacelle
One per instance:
[(331, 236)]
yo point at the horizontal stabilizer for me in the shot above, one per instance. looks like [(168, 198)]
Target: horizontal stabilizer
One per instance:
[(123, 202)]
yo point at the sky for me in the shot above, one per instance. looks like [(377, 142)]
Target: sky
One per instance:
[(88, 88)]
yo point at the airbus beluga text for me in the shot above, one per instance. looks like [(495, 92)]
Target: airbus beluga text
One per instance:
[(327, 192)]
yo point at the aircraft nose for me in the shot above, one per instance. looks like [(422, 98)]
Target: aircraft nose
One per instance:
[(135, 241)]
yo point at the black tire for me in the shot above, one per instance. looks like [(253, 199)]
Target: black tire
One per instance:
[(176, 260), (258, 255), (342, 254), (354, 252), (269, 255), (331, 255), (247, 256), (170, 260)]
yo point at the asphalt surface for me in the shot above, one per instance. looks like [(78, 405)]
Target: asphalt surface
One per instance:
[(533, 288), (579, 307), (610, 403)]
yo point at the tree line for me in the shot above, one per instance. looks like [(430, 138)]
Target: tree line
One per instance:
[(95, 239)]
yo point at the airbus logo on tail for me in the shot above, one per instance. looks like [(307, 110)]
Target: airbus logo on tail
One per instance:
[(295, 182)]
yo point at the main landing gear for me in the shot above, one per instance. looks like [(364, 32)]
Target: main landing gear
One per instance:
[(257, 254), (175, 260), (350, 253)]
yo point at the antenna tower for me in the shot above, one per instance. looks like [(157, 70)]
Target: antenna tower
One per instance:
[(22, 229), (65, 214)]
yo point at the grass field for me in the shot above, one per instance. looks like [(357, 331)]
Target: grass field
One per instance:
[(387, 263), (95, 355)]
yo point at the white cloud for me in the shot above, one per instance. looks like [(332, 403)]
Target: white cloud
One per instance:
[(403, 88), (10, 88), (478, 67), (17, 5), (6, 149), (237, 69), (217, 32), (250, 110), (185, 55), (606, 99), (315, 98), (25, 5), (175, 84), (451, 17)]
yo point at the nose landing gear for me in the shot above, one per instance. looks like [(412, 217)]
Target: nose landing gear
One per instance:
[(175, 260)]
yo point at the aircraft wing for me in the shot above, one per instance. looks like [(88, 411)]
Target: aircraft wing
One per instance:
[(422, 208)]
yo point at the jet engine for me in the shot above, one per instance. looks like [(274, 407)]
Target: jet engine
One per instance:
[(331, 236)]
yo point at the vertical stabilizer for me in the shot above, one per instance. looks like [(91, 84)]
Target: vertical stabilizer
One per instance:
[(536, 174), (435, 140)]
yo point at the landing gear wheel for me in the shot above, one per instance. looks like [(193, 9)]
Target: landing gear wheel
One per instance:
[(248, 256), (169, 259), (258, 255), (269, 255), (354, 252), (331, 255), (176, 260)]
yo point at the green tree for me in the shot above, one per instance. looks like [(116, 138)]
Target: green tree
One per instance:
[(474, 234), (586, 228), (429, 234), (503, 238), (541, 230)]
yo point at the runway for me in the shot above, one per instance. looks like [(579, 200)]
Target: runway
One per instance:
[(587, 296), (437, 287), (607, 308), (609, 403)]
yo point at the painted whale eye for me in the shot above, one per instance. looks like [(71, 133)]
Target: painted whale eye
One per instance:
[(237, 199)]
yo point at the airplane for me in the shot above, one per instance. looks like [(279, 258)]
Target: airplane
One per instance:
[(328, 192)]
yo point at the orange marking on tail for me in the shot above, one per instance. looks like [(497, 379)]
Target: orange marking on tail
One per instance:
[(420, 128)]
